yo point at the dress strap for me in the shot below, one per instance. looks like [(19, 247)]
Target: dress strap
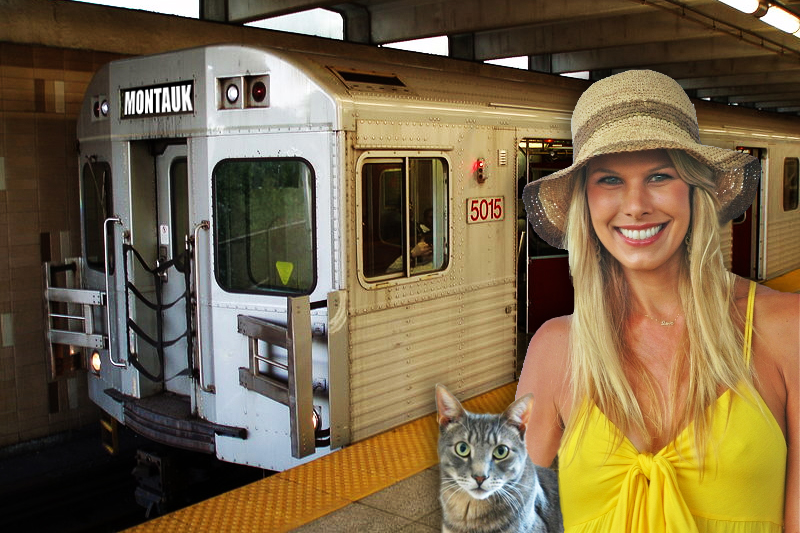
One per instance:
[(748, 323)]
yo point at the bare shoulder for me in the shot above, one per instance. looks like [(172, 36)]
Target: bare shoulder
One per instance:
[(777, 322)]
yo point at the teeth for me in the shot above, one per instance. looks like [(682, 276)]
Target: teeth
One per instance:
[(641, 234)]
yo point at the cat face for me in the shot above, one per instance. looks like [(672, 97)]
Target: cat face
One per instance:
[(481, 454)]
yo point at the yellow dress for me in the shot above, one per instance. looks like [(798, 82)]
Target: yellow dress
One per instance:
[(605, 488)]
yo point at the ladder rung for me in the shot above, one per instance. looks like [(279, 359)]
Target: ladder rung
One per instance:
[(75, 338), (75, 296), (70, 317)]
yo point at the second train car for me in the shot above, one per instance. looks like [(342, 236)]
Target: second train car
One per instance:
[(283, 252)]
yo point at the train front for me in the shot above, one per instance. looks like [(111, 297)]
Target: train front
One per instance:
[(206, 204)]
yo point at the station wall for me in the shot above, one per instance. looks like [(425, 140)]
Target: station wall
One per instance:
[(41, 89)]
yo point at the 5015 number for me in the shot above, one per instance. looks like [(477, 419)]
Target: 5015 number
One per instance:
[(485, 209)]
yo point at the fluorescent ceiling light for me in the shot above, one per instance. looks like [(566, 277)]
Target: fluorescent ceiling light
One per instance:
[(745, 6), (781, 19)]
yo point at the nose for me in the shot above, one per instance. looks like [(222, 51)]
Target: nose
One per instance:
[(479, 479), (637, 201)]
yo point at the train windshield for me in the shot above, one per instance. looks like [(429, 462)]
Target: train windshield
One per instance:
[(263, 213), (404, 216), (96, 206)]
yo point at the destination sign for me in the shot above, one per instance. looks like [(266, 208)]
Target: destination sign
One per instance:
[(168, 99)]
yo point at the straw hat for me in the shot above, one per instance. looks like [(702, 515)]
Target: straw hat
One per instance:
[(630, 111)]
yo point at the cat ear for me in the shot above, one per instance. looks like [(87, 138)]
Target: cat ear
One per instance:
[(448, 407), (518, 412)]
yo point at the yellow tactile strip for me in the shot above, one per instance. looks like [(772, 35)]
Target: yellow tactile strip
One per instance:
[(787, 283), (302, 494)]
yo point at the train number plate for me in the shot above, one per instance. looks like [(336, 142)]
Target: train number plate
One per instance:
[(485, 209)]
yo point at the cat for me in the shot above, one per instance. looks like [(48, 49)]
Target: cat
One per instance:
[(489, 484)]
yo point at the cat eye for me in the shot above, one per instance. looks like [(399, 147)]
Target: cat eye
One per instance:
[(501, 452), (462, 449)]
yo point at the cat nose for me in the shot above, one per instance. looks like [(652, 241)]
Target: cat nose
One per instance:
[(479, 480)]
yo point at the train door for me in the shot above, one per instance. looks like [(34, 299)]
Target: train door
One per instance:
[(546, 282), (745, 249), (172, 189), (157, 269)]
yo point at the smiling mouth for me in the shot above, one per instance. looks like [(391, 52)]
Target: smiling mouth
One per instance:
[(641, 234)]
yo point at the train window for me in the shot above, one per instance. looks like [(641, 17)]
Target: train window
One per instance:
[(404, 217), (791, 187), (263, 214), (179, 198), (96, 194)]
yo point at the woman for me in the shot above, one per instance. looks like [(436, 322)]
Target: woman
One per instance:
[(661, 418)]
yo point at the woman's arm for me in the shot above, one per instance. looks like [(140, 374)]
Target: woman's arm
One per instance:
[(777, 329), (545, 375)]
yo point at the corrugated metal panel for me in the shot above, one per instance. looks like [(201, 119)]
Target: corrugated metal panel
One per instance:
[(783, 253), (726, 244), (465, 340)]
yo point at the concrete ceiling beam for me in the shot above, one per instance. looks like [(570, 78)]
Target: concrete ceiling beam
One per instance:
[(602, 32), (644, 55)]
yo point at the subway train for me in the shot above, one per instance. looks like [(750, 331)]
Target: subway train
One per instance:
[(283, 251)]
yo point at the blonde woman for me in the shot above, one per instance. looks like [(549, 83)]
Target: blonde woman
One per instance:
[(670, 395)]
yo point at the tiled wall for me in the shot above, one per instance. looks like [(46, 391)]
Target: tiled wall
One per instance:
[(40, 95)]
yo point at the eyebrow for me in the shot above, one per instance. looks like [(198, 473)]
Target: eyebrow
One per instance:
[(654, 169)]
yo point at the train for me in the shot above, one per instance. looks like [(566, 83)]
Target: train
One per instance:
[(284, 250)]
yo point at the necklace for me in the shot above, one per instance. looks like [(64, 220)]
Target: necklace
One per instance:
[(663, 322)]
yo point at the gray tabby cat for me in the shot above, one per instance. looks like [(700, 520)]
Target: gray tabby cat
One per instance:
[(489, 484)]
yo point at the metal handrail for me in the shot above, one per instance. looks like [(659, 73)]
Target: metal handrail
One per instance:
[(206, 388), (115, 220)]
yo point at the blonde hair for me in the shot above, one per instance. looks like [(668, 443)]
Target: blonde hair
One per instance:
[(712, 344)]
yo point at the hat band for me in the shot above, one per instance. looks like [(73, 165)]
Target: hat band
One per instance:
[(656, 110)]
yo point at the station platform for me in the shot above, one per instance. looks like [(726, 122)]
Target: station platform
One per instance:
[(387, 483)]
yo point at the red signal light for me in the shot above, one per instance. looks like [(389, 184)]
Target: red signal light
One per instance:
[(479, 167), (259, 91)]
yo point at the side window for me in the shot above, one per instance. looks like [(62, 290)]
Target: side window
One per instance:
[(404, 217), (96, 196), (264, 226), (791, 187)]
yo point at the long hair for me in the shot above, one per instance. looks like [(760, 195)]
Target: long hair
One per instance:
[(710, 351)]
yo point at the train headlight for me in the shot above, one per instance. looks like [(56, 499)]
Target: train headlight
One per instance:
[(316, 420), (232, 93), (95, 362), (104, 107)]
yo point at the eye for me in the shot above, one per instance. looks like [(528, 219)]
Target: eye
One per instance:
[(462, 449), (501, 452), (660, 177), (609, 180)]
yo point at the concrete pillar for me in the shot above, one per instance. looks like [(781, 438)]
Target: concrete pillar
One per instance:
[(462, 46), (214, 10), (357, 23)]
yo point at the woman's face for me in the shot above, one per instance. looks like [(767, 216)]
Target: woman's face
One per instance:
[(639, 208)]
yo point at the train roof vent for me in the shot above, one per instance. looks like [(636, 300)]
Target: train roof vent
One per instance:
[(371, 81)]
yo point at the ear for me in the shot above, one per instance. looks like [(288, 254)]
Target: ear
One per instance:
[(518, 413), (448, 407)]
